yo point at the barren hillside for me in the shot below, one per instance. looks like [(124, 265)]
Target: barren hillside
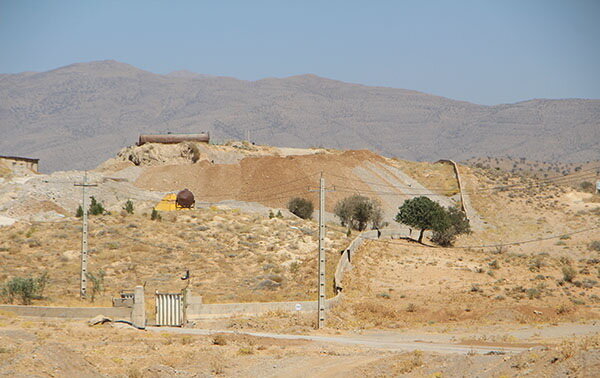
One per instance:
[(77, 116)]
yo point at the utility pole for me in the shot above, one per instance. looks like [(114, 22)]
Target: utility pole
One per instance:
[(84, 238), (321, 301), (321, 264)]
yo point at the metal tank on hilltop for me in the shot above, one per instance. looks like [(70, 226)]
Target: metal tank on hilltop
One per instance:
[(185, 199)]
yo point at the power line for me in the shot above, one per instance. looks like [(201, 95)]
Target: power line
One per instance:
[(488, 245), (474, 190), (262, 189)]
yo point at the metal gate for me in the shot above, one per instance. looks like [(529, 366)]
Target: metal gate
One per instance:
[(169, 309)]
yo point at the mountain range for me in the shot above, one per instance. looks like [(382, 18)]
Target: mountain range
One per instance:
[(77, 116)]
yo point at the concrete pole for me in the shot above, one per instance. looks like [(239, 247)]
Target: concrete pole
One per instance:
[(138, 314), (321, 300), (84, 241), (84, 238)]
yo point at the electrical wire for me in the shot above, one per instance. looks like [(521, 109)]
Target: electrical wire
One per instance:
[(490, 245)]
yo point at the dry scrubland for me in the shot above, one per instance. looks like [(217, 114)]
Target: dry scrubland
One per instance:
[(71, 348), (398, 283), (232, 256)]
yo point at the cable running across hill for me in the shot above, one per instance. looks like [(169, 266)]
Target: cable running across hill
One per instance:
[(489, 245), (473, 190)]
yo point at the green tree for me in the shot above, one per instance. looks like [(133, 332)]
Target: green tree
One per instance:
[(79, 212), (459, 224), (301, 207), (128, 207), (26, 289), (358, 211), (424, 214)]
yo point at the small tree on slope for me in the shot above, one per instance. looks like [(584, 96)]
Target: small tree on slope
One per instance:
[(424, 214)]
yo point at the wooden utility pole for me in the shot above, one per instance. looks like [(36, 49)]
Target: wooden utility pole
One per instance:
[(84, 238)]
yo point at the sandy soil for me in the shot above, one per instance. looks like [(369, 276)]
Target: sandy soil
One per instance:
[(31, 347)]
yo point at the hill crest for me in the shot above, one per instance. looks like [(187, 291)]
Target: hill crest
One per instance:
[(77, 116)]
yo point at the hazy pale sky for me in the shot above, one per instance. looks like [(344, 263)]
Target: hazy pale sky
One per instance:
[(487, 52)]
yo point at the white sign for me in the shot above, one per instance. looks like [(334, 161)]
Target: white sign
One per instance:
[(298, 307)]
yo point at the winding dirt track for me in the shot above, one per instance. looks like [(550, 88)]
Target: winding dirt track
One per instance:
[(365, 341)]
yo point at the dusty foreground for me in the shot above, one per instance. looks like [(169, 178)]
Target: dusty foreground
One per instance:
[(34, 347)]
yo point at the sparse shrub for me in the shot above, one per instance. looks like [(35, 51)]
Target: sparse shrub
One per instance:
[(301, 207), (534, 293), (536, 264), (294, 267), (79, 212), (25, 289), (271, 215), (595, 245), (563, 309), (587, 186), (494, 264), (499, 250), (568, 273), (96, 208), (219, 340), (155, 215), (97, 281), (411, 307), (246, 351), (358, 211), (128, 207), (279, 215), (383, 295)]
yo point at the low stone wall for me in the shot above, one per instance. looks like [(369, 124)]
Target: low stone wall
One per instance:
[(196, 311), (121, 313)]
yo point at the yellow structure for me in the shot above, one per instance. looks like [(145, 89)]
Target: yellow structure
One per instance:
[(169, 203)]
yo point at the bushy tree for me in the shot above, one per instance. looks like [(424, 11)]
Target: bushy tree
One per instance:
[(459, 224), (301, 207), (26, 289), (79, 212), (358, 211), (424, 214)]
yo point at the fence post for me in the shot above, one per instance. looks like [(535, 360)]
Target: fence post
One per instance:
[(138, 314)]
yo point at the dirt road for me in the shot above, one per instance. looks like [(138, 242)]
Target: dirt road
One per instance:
[(362, 340)]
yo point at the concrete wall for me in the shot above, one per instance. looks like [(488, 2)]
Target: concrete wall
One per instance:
[(223, 310), (122, 313), (195, 309)]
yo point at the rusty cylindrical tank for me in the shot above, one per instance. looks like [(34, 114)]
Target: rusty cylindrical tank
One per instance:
[(173, 138), (185, 199)]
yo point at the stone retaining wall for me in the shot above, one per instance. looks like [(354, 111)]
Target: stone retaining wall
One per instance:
[(121, 313)]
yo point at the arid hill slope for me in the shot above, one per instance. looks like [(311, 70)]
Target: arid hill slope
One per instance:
[(77, 116)]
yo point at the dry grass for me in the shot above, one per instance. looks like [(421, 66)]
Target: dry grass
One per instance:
[(227, 252), (440, 177), (426, 285)]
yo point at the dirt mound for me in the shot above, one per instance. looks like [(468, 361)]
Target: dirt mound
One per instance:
[(268, 179)]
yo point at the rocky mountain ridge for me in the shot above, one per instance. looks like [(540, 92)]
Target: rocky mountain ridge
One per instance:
[(77, 116)]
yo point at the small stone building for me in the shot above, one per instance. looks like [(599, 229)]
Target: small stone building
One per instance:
[(18, 164)]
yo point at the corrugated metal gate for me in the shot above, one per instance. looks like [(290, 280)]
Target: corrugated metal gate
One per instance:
[(169, 309)]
